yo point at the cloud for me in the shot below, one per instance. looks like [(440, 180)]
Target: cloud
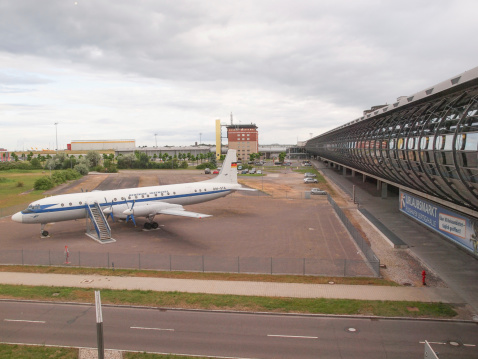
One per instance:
[(291, 68)]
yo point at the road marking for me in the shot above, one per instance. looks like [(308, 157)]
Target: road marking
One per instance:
[(291, 336), (25, 321), (144, 328), (465, 345)]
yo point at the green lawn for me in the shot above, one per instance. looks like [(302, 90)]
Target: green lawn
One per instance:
[(16, 187), (232, 302), (13, 351)]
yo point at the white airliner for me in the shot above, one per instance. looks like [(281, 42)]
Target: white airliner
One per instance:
[(129, 203)]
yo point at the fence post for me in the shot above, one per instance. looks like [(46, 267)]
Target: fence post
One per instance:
[(22, 256), (108, 260), (139, 261), (203, 263), (238, 267), (271, 265), (49, 257), (345, 267), (303, 272), (79, 259), (170, 263)]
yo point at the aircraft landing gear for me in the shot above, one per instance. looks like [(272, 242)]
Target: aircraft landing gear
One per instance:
[(44, 233), (151, 225)]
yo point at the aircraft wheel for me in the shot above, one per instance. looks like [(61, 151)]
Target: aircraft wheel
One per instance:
[(155, 225), (44, 233), (147, 225)]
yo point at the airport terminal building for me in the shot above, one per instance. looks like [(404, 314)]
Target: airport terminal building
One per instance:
[(426, 146)]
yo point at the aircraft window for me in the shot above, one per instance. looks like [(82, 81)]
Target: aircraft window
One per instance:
[(123, 198), (204, 190), (62, 205), (135, 196), (200, 190), (28, 210), (147, 195), (71, 204), (115, 200), (174, 192), (195, 190), (142, 196), (81, 202)]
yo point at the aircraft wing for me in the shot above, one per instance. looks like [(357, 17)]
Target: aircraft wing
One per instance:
[(183, 213)]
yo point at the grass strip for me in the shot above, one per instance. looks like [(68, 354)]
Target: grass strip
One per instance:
[(232, 302), (159, 356), (199, 275), (14, 351)]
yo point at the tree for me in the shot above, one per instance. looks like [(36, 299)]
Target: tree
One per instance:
[(282, 156), (93, 158)]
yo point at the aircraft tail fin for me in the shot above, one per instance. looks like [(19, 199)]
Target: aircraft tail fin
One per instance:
[(228, 173)]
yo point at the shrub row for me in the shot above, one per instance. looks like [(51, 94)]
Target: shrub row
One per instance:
[(58, 177)]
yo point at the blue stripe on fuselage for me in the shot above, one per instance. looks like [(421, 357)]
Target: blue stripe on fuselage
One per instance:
[(46, 207)]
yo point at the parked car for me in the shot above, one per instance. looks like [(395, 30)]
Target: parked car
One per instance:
[(310, 174), (310, 180), (239, 167), (215, 172), (317, 191), (207, 171), (253, 171), (244, 172), (259, 172)]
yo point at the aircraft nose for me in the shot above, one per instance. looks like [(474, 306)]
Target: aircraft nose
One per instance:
[(18, 217)]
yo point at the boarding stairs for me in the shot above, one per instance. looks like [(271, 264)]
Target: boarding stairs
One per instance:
[(97, 226)]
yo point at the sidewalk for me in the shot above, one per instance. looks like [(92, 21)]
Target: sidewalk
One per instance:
[(295, 290)]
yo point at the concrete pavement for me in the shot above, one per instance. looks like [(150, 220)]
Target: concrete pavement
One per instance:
[(294, 290), (456, 268)]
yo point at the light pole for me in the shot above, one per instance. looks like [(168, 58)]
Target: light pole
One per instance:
[(200, 134), (155, 138), (56, 132)]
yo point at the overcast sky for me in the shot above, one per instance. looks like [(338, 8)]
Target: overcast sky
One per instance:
[(130, 69)]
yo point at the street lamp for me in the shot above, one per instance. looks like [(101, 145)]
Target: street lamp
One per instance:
[(56, 132), (156, 139)]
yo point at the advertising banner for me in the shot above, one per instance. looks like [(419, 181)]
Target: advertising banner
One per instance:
[(459, 228)]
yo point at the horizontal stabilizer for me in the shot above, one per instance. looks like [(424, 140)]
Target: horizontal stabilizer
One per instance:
[(183, 213), (244, 189)]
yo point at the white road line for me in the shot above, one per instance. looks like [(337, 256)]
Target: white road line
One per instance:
[(25, 321), (144, 328), (465, 345), (291, 336)]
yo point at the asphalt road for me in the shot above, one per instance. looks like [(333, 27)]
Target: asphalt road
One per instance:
[(238, 335)]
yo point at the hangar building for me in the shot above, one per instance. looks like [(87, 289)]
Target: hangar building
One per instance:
[(98, 145)]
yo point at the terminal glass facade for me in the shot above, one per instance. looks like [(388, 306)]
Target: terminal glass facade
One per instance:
[(430, 146)]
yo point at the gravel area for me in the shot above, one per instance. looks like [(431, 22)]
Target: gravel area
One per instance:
[(93, 354)]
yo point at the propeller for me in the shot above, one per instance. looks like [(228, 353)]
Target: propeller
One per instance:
[(130, 213), (109, 211)]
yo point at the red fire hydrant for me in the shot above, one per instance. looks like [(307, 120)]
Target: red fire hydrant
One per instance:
[(424, 274)]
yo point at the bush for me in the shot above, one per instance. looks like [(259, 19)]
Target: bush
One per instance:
[(206, 165), (82, 169), (43, 183), (20, 184)]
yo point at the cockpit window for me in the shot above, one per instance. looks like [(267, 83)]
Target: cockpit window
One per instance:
[(31, 208)]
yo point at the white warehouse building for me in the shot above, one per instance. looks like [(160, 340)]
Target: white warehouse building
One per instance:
[(98, 145)]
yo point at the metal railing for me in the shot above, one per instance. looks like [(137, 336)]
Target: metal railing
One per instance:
[(167, 262)]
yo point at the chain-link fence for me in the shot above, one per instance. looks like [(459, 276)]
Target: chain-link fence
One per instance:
[(165, 262), (372, 259)]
